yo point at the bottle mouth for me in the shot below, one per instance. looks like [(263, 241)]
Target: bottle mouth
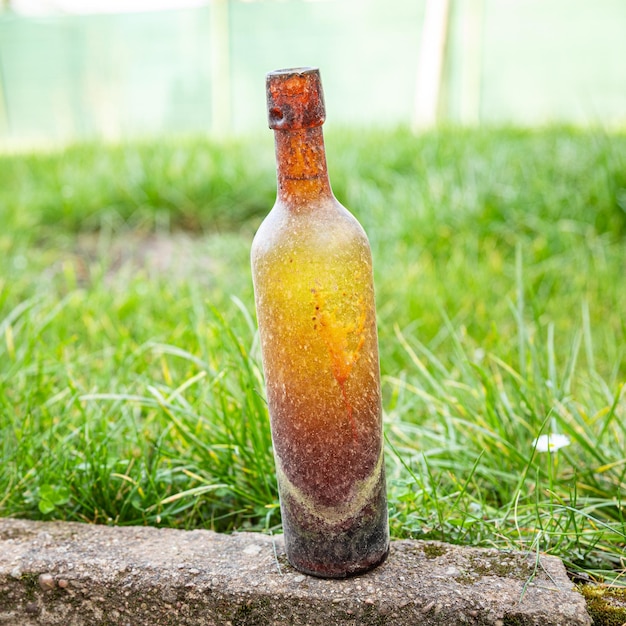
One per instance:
[(295, 98), (294, 70)]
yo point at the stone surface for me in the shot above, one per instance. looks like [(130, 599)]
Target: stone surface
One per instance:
[(78, 574)]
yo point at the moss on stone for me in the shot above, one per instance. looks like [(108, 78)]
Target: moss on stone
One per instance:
[(253, 613), (371, 617), (433, 550), (516, 620), (502, 565), (30, 585), (606, 605)]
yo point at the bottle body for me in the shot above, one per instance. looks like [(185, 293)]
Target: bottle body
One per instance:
[(312, 273), (315, 307)]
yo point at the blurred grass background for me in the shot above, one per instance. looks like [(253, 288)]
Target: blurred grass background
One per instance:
[(130, 381)]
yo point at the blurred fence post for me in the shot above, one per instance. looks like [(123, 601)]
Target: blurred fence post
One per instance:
[(471, 60), (430, 63), (220, 67), (5, 127)]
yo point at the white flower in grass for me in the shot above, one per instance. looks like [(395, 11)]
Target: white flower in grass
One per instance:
[(551, 442)]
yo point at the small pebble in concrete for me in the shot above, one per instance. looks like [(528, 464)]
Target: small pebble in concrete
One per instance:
[(32, 608), (46, 582)]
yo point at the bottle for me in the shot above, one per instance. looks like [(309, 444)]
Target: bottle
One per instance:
[(314, 295)]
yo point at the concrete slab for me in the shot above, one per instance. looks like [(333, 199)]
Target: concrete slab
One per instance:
[(77, 574)]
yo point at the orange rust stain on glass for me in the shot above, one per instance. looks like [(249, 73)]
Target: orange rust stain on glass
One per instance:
[(343, 342)]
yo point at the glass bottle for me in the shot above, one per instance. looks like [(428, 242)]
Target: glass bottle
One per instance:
[(312, 273)]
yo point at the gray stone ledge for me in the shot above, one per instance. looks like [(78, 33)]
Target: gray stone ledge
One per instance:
[(78, 574)]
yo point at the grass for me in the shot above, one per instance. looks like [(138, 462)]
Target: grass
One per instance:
[(133, 395)]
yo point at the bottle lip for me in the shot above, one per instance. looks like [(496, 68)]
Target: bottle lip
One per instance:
[(306, 69), (295, 98)]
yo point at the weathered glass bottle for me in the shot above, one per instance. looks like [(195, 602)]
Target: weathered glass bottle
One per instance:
[(312, 273)]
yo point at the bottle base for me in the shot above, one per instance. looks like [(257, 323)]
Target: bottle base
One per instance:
[(326, 571)]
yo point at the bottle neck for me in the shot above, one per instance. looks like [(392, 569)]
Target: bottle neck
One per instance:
[(301, 166)]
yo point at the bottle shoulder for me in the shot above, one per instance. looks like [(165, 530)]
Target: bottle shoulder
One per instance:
[(327, 224)]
